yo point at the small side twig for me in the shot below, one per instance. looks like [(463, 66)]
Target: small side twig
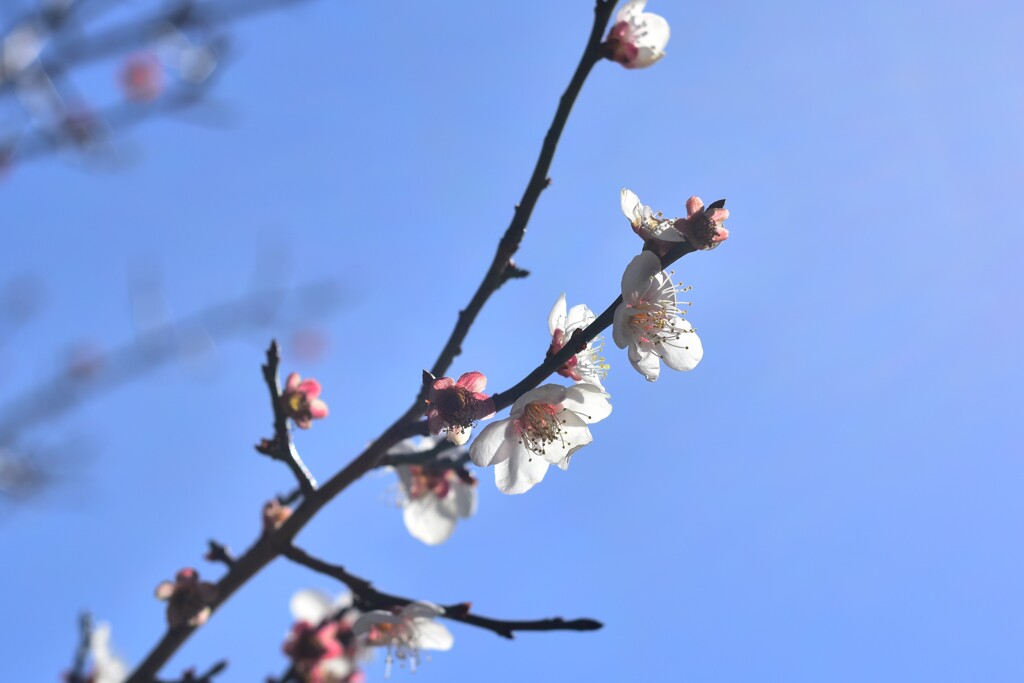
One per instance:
[(280, 447), (220, 553), (77, 673), (368, 597)]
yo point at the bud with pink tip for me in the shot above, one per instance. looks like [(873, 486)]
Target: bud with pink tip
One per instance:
[(301, 401)]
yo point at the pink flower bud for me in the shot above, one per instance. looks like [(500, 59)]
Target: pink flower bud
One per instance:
[(301, 401)]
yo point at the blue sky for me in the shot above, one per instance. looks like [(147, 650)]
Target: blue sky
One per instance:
[(831, 495)]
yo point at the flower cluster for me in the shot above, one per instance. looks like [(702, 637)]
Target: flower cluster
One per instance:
[(330, 638), (436, 493), (321, 644)]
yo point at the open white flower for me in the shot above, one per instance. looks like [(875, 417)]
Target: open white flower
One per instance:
[(588, 365), (648, 321), (107, 666), (545, 427), (434, 497), (637, 39), (405, 633)]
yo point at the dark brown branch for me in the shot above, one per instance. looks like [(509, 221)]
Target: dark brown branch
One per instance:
[(369, 598), (270, 545), (207, 677), (219, 553), (503, 267), (280, 447)]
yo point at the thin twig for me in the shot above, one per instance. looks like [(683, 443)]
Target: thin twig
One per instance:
[(503, 267), (77, 673), (369, 598), (63, 391), (219, 553), (281, 446)]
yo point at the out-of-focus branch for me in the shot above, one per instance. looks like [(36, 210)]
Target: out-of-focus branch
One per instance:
[(280, 447), (191, 677), (503, 267), (369, 598), (40, 50), (105, 371), (77, 673)]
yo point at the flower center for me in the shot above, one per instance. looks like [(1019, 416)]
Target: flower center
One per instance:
[(539, 426), (458, 406), (423, 482), (654, 321)]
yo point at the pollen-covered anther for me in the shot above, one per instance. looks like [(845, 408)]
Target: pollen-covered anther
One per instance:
[(539, 426)]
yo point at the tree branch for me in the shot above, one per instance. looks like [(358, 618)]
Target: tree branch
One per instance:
[(281, 447), (369, 598), (503, 267), (274, 543)]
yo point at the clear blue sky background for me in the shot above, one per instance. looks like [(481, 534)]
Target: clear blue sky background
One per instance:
[(833, 495)]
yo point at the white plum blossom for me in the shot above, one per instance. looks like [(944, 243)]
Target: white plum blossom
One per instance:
[(107, 666), (434, 498), (544, 427), (588, 365), (648, 321), (405, 633), (637, 39)]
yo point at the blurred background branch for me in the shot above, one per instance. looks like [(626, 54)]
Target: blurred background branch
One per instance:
[(163, 58)]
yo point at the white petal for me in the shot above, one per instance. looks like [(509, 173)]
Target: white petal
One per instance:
[(427, 521), (484, 449), (621, 333), (337, 669), (637, 277), (579, 317), (653, 36), (631, 206), (404, 473), (520, 472), (310, 606), (368, 620), (645, 362), (684, 353), (459, 435), (631, 9), (547, 393), (464, 496), (556, 318), (422, 608), (109, 667), (431, 635), (591, 403)]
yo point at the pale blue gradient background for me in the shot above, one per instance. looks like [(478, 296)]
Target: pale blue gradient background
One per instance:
[(833, 495)]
